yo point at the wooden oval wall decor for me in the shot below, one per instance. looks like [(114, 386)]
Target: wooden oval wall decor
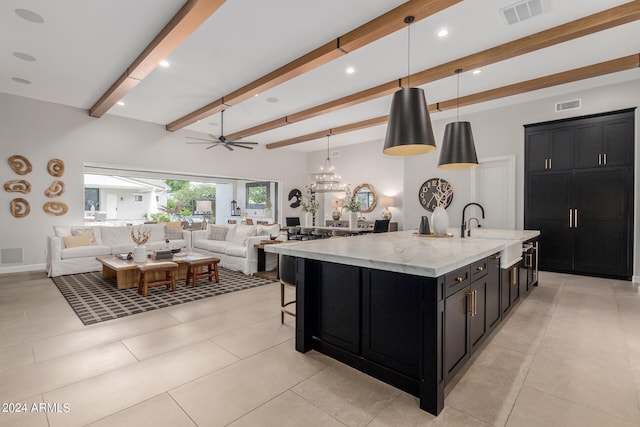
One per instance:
[(17, 186), (55, 208), (20, 165), (55, 189), (20, 208), (55, 167)]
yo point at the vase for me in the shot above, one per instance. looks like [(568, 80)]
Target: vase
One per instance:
[(440, 221), (140, 253), (424, 226), (353, 219), (308, 219), (336, 214)]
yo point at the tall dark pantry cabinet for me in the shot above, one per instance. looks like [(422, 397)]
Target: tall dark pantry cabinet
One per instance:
[(579, 193)]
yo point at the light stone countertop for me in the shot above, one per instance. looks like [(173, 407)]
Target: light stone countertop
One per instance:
[(404, 251)]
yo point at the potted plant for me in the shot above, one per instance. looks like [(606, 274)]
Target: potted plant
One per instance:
[(352, 204), (309, 207)]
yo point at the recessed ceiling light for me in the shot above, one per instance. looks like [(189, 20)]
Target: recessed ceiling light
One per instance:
[(443, 33), (350, 70), (257, 94), (120, 103), (30, 16), (164, 63), (478, 71), (21, 80), (24, 56), (272, 100)]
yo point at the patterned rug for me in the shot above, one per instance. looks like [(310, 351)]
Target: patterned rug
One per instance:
[(95, 299)]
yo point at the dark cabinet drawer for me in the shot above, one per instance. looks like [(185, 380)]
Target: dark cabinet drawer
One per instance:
[(456, 280), (478, 269)]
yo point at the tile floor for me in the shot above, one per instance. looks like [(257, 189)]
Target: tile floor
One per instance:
[(568, 355)]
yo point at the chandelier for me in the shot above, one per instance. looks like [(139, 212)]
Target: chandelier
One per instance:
[(327, 180)]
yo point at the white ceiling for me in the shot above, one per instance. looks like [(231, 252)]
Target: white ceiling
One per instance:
[(83, 46)]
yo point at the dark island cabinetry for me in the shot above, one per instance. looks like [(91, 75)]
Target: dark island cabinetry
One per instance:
[(413, 332)]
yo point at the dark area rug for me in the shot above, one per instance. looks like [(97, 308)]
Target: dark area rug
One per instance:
[(95, 299)]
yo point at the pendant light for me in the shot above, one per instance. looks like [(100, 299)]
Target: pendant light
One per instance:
[(458, 149), (409, 131), (327, 180)]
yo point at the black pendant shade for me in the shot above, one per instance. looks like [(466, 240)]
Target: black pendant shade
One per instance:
[(409, 131), (458, 150)]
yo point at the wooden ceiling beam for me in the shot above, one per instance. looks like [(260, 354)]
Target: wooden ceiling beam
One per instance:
[(190, 16), (367, 33), (610, 18), (589, 71), (333, 131)]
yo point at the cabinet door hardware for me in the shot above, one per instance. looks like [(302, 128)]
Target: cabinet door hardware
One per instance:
[(480, 269), (546, 164), (604, 157), (570, 218), (599, 159), (550, 163), (470, 294), (575, 221), (528, 257), (459, 279), (514, 276)]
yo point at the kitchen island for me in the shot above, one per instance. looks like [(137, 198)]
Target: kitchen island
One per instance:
[(406, 309)]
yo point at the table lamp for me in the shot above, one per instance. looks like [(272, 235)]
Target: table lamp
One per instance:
[(386, 202)]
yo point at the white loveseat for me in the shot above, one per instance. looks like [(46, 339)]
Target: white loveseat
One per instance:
[(74, 249), (234, 245)]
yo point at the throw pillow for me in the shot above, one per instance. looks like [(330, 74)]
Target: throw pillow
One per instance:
[(173, 224), (84, 232), (80, 240), (172, 233), (217, 232)]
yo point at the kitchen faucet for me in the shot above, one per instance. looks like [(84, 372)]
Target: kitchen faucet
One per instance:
[(463, 226), (469, 225)]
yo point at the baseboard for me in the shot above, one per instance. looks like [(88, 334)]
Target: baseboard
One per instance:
[(23, 268), (636, 279)]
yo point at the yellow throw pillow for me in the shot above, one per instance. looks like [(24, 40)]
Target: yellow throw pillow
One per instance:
[(173, 224), (81, 240)]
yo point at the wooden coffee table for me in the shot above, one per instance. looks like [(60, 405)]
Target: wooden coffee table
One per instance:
[(126, 271)]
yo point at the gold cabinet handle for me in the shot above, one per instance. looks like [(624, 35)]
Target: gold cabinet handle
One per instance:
[(475, 302), (570, 218), (470, 294), (605, 158), (546, 161), (550, 163), (599, 159), (459, 279), (575, 221), (514, 276), (480, 269)]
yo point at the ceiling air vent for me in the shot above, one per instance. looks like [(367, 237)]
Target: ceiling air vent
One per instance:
[(568, 105), (522, 10)]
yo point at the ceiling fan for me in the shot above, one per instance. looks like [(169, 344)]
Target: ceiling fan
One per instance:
[(215, 141)]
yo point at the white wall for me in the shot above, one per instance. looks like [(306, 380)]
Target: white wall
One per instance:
[(363, 163), (42, 131)]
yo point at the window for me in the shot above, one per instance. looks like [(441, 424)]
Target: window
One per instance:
[(91, 199), (257, 195), (137, 198)]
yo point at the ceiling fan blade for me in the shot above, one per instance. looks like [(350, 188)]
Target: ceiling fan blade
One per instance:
[(228, 147), (201, 142), (211, 146), (242, 146), (203, 139)]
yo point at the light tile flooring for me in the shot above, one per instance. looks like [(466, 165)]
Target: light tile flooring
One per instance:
[(568, 355)]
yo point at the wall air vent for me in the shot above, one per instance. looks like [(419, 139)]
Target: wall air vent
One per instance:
[(335, 153), (568, 105), (11, 255), (522, 10)]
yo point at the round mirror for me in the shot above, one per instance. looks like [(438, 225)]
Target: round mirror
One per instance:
[(366, 196)]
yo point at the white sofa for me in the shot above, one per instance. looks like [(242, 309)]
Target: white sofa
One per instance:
[(80, 255), (234, 245)]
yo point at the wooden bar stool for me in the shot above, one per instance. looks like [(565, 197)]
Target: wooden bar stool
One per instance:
[(201, 268), (151, 275), (287, 273)]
